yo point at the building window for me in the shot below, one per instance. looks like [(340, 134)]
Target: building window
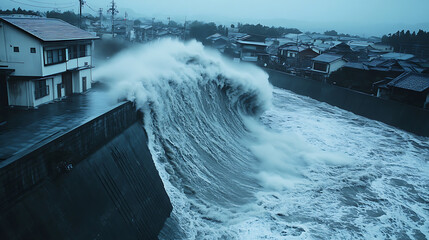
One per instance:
[(16, 49), (41, 89), (82, 51), (33, 50), (72, 52), (320, 66), (55, 56)]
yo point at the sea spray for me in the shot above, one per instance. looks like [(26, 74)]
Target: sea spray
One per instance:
[(240, 163)]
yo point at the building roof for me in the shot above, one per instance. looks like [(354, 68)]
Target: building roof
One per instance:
[(397, 56), (327, 58), (356, 65), (252, 43), (294, 48), (49, 29), (411, 81)]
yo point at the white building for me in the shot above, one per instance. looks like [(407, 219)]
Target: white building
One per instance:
[(327, 63), (42, 59)]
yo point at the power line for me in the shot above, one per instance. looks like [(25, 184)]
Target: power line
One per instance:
[(31, 5), (52, 3), (90, 7)]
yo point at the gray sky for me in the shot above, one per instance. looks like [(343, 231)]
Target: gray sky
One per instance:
[(369, 17)]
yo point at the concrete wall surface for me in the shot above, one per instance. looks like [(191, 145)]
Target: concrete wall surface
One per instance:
[(397, 114), (97, 181)]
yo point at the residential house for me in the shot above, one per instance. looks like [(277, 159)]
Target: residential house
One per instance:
[(411, 88), (299, 38), (345, 51), (143, 33), (325, 64), (217, 41), (252, 51), (297, 56), (381, 48), (42, 59)]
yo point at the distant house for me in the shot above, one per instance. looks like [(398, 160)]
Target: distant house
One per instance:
[(42, 59), (291, 51), (411, 88), (327, 63), (381, 48), (252, 51), (297, 56), (143, 33), (217, 41), (345, 51)]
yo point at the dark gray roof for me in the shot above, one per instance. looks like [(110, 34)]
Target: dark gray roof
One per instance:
[(49, 29), (356, 65), (327, 58), (294, 48), (411, 81)]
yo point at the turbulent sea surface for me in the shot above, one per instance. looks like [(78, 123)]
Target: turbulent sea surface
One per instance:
[(243, 160)]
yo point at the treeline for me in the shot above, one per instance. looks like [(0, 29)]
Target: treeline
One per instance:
[(201, 31), (67, 16), (266, 31), (407, 42), (20, 11)]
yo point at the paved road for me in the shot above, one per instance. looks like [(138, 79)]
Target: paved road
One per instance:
[(24, 128)]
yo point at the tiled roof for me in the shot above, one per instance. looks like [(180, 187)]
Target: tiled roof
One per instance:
[(411, 81), (294, 48), (252, 43), (327, 58), (398, 56), (49, 29)]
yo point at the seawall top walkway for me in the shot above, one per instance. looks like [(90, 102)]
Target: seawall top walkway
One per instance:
[(23, 128)]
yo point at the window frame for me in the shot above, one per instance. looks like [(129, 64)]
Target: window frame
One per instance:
[(55, 56), (32, 50), (41, 89)]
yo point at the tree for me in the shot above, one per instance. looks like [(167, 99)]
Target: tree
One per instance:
[(331, 33), (201, 31), (137, 22)]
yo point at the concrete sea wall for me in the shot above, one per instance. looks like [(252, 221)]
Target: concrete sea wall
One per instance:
[(397, 114), (96, 181)]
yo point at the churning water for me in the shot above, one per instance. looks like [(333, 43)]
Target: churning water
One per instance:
[(243, 160)]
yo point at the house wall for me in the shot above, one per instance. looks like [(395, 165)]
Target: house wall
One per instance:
[(334, 66), (47, 98), (77, 81), (20, 93), (24, 62)]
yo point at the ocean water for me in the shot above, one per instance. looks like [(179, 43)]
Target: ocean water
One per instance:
[(243, 160)]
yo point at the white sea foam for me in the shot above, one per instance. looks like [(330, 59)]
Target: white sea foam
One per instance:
[(301, 170)]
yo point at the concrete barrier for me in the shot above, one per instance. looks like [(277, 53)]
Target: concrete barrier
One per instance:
[(96, 181), (397, 114)]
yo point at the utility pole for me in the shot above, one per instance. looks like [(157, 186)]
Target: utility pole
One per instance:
[(100, 13), (153, 36), (80, 12), (113, 11)]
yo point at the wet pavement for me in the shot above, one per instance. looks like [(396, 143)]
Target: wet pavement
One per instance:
[(23, 128)]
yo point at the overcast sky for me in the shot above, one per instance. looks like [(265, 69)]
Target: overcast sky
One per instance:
[(369, 17)]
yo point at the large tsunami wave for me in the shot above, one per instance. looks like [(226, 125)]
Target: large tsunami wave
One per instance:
[(225, 172)]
